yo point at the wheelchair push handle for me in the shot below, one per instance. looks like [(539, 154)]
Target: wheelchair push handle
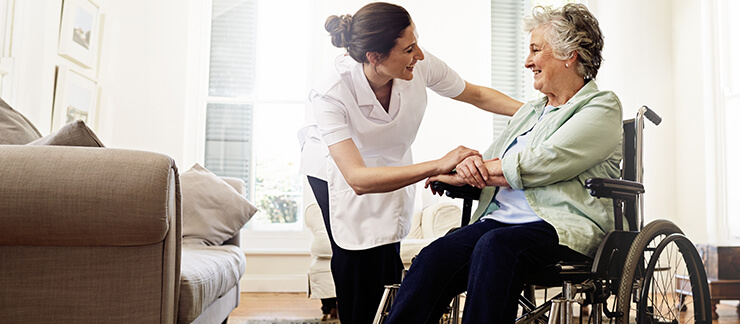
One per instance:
[(650, 115)]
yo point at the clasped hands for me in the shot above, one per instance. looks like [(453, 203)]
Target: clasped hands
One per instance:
[(472, 170)]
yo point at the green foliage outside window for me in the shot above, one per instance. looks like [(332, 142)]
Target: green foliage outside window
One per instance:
[(280, 209)]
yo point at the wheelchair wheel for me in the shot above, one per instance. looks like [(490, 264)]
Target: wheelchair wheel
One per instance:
[(663, 279)]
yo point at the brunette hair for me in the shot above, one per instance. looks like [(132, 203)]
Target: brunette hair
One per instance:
[(373, 28)]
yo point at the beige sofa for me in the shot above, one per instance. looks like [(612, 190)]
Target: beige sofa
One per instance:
[(93, 235), (96, 235), (426, 226)]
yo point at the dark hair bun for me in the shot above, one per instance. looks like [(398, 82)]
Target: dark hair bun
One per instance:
[(339, 29)]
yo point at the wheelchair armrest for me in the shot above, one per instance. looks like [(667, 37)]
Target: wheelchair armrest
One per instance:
[(464, 192), (614, 188)]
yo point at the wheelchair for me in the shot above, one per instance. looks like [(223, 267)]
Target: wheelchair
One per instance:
[(640, 274)]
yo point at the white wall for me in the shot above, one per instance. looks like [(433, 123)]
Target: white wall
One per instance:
[(692, 173), (34, 48), (143, 70), (144, 73), (653, 57)]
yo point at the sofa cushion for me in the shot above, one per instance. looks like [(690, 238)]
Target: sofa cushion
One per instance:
[(14, 127), (75, 133), (207, 273), (212, 210)]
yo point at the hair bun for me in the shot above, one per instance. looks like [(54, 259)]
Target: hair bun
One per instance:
[(339, 29)]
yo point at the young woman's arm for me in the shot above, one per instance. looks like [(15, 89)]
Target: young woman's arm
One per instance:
[(489, 99), (365, 179)]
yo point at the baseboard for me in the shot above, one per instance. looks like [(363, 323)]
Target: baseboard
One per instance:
[(274, 283)]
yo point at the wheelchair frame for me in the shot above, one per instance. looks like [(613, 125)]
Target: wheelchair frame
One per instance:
[(625, 261)]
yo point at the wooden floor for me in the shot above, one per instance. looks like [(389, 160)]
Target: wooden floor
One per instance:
[(297, 306), (275, 305)]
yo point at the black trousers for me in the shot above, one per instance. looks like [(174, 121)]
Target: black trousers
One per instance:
[(359, 275)]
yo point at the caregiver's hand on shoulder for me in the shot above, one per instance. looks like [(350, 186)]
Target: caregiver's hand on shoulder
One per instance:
[(448, 162)]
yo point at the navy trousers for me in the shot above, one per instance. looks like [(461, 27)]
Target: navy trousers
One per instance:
[(488, 260), (359, 275)]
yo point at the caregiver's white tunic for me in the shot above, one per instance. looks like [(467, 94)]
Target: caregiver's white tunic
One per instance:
[(346, 107)]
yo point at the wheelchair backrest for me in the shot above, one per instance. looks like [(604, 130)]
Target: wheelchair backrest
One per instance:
[(629, 169)]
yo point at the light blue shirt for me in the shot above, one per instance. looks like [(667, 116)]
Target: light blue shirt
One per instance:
[(513, 207)]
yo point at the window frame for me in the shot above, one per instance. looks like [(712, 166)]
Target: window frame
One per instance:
[(295, 237)]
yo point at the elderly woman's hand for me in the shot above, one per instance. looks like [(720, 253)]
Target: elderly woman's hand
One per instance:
[(480, 173), (473, 171)]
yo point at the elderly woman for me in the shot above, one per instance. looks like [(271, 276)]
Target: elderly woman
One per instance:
[(534, 209)]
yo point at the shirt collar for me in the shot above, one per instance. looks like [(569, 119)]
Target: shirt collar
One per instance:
[(365, 94), (587, 89), (366, 97)]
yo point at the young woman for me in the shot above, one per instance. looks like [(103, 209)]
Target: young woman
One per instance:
[(356, 150)]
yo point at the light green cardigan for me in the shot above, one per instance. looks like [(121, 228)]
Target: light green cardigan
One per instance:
[(578, 140)]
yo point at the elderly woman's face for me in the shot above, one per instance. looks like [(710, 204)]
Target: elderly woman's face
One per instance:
[(542, 62)]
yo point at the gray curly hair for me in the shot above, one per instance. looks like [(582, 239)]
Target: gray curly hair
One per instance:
[(570, 28)]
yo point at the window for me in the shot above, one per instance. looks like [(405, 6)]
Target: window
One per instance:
[(258, 83), (509, 46), (231, 88)]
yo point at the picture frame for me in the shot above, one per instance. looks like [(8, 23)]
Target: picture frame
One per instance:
[(75, 97), (79, 32)]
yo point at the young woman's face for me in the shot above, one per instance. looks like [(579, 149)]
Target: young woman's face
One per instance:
[(403, 56)]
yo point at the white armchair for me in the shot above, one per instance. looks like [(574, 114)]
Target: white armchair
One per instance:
[(426, 226)]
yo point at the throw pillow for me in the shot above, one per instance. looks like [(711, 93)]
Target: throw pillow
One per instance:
[(212, 210), (75, 133), (14, 127)]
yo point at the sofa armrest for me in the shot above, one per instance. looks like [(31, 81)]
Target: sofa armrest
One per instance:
[(99, 227), (79, 196)]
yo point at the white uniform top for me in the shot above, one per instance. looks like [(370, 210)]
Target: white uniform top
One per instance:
[(346, 107)]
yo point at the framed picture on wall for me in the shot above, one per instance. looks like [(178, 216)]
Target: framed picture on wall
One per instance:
[(75, 97), (79, 31)]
